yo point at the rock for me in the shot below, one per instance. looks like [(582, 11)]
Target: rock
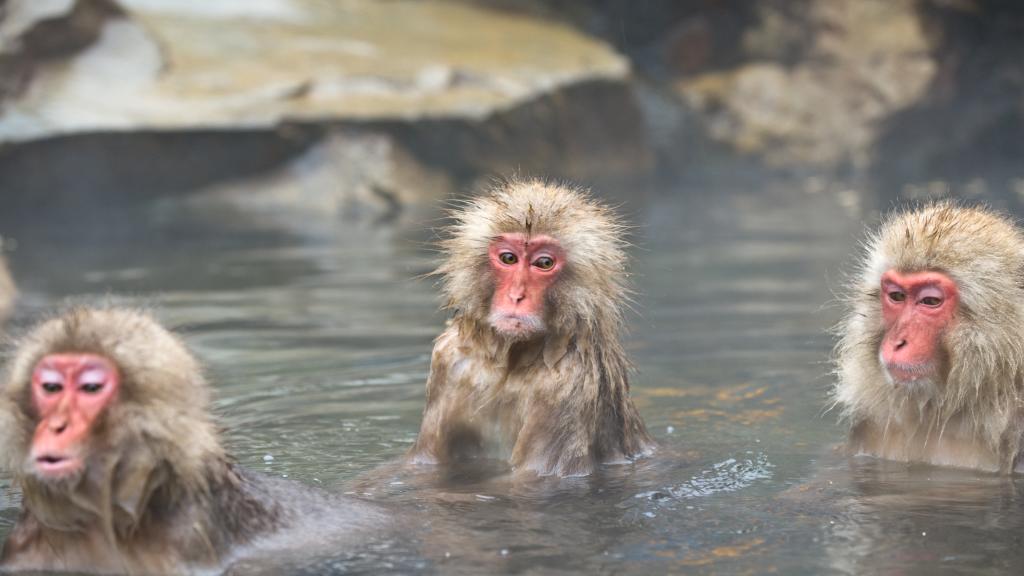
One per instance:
[(348, 176), (591, 132), (52, 28), (965, 136), (34, 32), (867, 60), (176, 65), (354, 108)]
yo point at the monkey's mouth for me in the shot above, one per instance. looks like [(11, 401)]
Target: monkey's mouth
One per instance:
[(899, 372), (56, 465), (516, 325)]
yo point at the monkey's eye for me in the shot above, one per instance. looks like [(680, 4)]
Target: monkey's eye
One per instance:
[(897, 296), (52, 387), (508, 258), (91, 387), (931, 301), (544, 262)]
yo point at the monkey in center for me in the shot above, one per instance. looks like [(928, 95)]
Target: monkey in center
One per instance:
[(531, 367)]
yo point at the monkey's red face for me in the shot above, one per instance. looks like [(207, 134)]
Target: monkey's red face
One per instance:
[(524, 269), (917, 309), (69, 393)]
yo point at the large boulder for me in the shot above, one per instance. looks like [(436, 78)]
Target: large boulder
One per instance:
[(164, 97), (166, 64)]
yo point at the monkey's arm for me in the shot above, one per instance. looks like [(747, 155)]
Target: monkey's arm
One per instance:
[(424, 451), (444, 424)]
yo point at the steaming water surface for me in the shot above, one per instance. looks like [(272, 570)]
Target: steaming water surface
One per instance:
[(319, 347)]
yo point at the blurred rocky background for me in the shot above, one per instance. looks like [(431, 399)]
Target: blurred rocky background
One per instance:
[(365, 111)]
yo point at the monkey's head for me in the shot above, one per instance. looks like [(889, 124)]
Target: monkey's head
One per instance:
[(104, 400), (530, 258), (937, 314)]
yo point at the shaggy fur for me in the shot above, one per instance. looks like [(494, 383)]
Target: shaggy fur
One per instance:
[(159, 494), (556, 404), (972, 417)]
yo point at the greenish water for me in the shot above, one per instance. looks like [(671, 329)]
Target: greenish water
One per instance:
[(319, 347)]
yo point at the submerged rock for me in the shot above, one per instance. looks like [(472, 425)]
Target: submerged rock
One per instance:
[(347, 176)]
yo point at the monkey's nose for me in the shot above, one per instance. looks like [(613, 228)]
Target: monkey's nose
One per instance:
[(59, 426), (900, 344)]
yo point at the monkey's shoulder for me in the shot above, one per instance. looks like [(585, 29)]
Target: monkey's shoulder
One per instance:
[(447, 344), (454, 349), (262, 514), (270, 504)]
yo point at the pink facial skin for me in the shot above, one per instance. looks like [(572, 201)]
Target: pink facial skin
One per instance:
[(69, 392), (917, 308), (524, 268)]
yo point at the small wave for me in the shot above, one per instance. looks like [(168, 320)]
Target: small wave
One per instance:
[(726, 476)]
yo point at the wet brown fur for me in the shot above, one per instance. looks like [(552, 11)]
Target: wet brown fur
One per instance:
[(973, 416), (554, 405), (159, 494)]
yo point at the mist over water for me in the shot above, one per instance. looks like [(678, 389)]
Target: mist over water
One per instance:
[(319, 347)]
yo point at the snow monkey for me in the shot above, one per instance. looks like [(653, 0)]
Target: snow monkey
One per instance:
[(531, 368), (931, 355), (104, 423)]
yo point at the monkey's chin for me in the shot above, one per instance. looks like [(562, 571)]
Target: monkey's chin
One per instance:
[(517, 327), (915, 380), (911, 376)]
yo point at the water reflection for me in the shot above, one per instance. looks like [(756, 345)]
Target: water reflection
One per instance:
[(319, 346), (904, 519)]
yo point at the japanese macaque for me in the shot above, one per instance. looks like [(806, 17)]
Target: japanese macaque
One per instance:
[(931, 355), (530, 367), (105, 425)]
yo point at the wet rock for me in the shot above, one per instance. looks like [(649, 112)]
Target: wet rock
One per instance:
[(965, 136), (235, 64), (170, 98), (34, 32), (863, 61), (347, 176), (659, 36), (591, 132)]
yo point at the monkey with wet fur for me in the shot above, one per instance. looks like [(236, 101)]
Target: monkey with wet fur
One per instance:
[(104, 422), (531, 367), (931, 357)]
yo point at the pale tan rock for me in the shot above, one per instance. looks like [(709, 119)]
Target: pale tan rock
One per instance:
[(182, 64)]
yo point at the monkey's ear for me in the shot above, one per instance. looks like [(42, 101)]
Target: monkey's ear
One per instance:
[(554, 349)]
